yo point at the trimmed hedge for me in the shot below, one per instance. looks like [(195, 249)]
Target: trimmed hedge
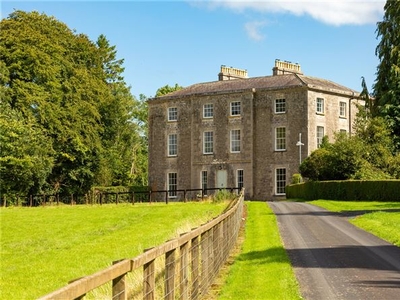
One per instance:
[(375, 190)]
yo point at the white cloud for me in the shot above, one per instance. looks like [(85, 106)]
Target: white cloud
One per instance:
[(253, 30), (332, 12)]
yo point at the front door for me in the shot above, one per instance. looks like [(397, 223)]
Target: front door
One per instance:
[(222, 179)]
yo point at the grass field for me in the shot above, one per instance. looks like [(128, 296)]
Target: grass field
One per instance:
[(262, 270), (43, 248), (379, 218)]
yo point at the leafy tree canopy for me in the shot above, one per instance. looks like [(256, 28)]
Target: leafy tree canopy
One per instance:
[(168, 89), (387, 84), (68, 94)]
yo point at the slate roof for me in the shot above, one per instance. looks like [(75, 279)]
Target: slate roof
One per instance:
[(265, 82)]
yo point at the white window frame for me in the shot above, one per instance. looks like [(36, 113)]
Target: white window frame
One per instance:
[(208, 142), (235, 108), (235, 140), (239, 179), (172, 181), (280, 106), (208, 111), (320, 106), (342, 109), (280, 181), (173, 144), (172, 114), (320, 129), (279, 139), (204, 181)]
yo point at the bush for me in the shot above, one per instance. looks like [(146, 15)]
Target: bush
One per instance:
[(223, 195)]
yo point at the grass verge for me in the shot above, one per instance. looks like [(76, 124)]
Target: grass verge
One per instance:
[(43, 248), (379, 218), (262, 270)]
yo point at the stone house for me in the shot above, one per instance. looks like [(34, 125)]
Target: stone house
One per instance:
[(241, 131)]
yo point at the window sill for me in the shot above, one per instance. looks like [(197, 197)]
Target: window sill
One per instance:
[(320, 114)]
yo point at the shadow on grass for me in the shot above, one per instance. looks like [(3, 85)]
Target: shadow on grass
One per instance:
[(270, 255), (344, 257)]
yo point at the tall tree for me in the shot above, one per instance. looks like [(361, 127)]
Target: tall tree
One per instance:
[(56, 79), (387, 85), (121, 136)]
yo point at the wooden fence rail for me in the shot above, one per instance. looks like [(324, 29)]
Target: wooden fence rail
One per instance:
[(182, 268)]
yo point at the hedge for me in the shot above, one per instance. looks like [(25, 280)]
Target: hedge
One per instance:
[(366, 190)]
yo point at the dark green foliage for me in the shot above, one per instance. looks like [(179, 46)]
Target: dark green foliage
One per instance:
[(370, 190), (73, 120), (366, 155), (387, 84)]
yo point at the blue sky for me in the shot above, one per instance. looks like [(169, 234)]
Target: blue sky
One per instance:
[(186, 42)]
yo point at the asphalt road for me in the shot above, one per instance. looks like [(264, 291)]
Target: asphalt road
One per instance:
[(333, 259)]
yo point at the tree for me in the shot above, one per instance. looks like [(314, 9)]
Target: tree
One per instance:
[(119, 115), (69, 94), (55, 78), (26, 155), (168, 89), (387, 84)]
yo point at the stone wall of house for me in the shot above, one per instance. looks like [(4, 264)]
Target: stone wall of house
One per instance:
[(258, 157), (266, 158)]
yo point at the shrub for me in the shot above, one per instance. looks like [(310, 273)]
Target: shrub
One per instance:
[(223, 195)]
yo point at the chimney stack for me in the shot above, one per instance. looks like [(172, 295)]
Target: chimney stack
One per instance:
[(286, 67), (229, 73)]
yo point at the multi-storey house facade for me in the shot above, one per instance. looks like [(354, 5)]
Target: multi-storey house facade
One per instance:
[(244, 132)]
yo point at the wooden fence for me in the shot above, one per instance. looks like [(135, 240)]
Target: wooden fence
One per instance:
[(182, 268)]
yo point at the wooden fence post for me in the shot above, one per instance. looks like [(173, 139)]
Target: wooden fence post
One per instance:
[(184, 272), (133, 197), (194, 251), (118, 286), (149, 280), (169, 292), (204, 261)]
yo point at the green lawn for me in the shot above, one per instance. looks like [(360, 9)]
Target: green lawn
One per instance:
[(43, 248), (379, 218), (262, 270)]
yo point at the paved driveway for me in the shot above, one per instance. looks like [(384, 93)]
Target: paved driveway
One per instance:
[(333, 259)]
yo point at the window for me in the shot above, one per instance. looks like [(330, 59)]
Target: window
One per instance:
[(280, 181), (172, 144), (208, 110), (204, 181), (342, 109), (320, 106), (343, 131), (208, 142), (235, 140), (320, 135), (280, 106), (239, 179), (280, 138), (172, 114), (235, 108), (172, 184)]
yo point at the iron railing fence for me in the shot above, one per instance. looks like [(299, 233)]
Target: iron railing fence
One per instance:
[(112, 197)]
